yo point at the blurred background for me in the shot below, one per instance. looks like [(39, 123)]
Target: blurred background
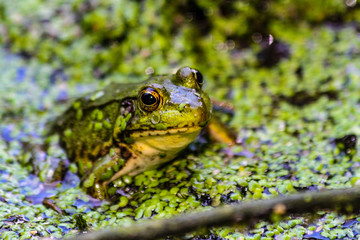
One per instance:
[(104, 37)]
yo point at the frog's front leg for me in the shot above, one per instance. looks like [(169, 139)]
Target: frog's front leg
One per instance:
[(104, 170)]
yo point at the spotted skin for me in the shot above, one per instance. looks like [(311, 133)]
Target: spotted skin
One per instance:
[(116, 131)]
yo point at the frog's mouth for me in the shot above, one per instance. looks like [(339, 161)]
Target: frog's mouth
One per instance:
[(170, 131)]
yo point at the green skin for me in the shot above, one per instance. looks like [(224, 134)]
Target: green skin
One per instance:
[(109, 133)]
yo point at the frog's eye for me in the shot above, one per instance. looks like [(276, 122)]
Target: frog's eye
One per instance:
[(198, 77), (149, 99)]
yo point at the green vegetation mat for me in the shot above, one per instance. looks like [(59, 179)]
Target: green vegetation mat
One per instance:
[(296, 108)]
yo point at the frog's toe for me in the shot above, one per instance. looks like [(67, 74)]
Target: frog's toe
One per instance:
[(98, 191)]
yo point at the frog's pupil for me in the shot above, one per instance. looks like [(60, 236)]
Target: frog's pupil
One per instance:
[(148, 99)]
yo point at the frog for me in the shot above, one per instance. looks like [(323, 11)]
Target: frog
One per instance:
[(126, 129)]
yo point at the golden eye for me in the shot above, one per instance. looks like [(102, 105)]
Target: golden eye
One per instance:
[(198, 77), (149, 99)]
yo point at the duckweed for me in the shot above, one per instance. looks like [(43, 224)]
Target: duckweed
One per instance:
[(294, 117)]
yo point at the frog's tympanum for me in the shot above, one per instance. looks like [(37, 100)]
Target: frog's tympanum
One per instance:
[(126, 129)]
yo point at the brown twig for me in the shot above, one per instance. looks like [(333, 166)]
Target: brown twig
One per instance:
[(344, 200)]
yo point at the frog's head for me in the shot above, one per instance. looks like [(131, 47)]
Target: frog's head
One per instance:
[(170, 110)]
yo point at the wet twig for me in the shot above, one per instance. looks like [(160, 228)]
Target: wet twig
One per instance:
[(344, 200)]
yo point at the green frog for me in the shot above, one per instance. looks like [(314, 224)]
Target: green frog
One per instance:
[(125, 129)]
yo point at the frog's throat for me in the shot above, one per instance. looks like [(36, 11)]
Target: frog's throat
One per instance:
[(154, 147)]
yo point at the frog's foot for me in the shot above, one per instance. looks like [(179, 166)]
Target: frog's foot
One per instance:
[(94, 187), (98, 191)]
